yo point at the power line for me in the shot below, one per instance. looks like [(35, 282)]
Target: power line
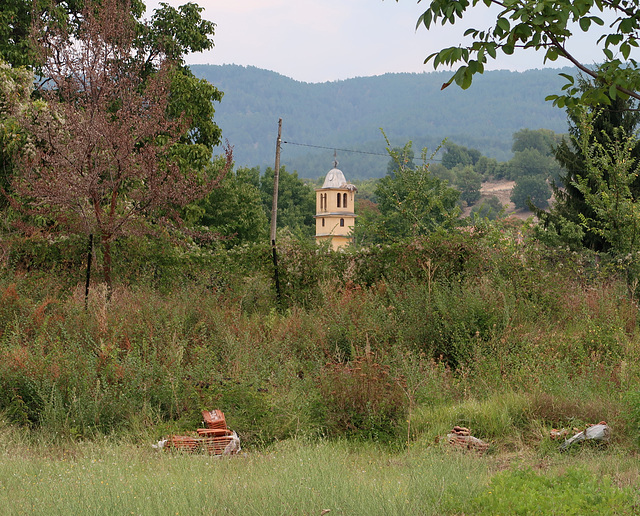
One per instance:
[(336, 149), (347, 150), (522, 167)]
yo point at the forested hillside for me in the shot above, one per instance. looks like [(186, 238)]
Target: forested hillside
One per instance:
[(349, 114)]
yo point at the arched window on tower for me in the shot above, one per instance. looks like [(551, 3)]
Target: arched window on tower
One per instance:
[(325, 202), (344, 200), (322, 221), (341, 223), (339, 199)]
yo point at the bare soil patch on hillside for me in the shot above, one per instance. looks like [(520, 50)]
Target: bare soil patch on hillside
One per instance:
[(502, 190)]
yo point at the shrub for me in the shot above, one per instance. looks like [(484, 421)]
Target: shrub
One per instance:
[(490, 208), (632, 414), (363, 399), (531, 189)]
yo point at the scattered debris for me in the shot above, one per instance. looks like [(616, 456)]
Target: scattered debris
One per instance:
[(561, 433), (461, 437), (215, 439), (599, 432), (160, 444)]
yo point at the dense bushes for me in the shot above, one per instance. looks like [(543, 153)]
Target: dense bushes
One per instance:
[(360, 341)]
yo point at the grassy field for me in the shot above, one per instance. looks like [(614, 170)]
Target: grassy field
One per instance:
[(341, 393), (306, 478)]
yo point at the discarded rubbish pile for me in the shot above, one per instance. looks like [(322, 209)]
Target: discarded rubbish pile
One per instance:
[(461, 437), (215, 439), (599, 432)]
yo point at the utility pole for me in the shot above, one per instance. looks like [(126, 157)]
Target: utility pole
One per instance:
[(276, 175), (274, 209)]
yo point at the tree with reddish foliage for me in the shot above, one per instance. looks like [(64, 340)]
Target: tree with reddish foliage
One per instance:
[(105, 158)]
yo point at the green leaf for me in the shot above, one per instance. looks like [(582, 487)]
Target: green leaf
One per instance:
[(459, 75), (585, 23), (627, 25), (426, 19), (568, 77), (625, 49), (503, 24), (433, 56), (468, 77), (613, 40)]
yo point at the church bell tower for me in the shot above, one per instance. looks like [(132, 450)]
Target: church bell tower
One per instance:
[(335, 217)]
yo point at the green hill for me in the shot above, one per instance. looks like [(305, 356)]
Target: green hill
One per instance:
[(348, 115)]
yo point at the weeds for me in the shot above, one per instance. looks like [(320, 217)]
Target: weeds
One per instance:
[(363, 399), (576, 491), (445, 325)]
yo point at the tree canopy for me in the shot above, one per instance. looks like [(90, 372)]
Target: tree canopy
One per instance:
[(17, 17), (548, 26), (459, 155), (235, 210), (610, 197), (296, 201), (411, 202), (108, 150), (619, 120)]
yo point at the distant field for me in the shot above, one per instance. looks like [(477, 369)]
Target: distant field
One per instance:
[(502, 190)]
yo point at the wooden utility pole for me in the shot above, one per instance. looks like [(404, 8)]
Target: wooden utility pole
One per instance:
[(274, 208), (276, 175)]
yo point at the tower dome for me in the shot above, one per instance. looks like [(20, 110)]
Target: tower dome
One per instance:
[(335, 179)]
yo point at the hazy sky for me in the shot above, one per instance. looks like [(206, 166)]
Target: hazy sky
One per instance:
[(327, 40)]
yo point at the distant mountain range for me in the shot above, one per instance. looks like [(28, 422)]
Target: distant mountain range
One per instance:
[(347, 115)]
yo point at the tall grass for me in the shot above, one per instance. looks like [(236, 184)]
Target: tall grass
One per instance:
[(292, 478), (503, 335), (306, 477)]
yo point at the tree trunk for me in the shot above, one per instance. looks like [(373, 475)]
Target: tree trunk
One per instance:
[(106, 246), (86, 288)]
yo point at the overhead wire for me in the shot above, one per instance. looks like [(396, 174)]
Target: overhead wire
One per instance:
[(386, 154), (525, 167)]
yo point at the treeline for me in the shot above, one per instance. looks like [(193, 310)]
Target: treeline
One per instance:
[(437, 191), (349, 114)]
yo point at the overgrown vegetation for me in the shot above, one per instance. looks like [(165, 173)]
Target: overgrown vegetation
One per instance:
[(392, 345), (445, 326)]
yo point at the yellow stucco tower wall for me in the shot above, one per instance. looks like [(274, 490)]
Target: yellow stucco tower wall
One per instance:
[(335, 217)]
